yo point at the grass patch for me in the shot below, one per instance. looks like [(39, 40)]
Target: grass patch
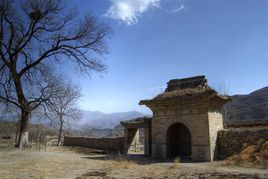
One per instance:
[(176, 163), (252, 155), (121, 161)]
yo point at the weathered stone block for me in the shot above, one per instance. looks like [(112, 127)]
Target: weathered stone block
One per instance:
[(186, 119)]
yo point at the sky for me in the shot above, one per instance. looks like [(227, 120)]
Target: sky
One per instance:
[(154, 41)]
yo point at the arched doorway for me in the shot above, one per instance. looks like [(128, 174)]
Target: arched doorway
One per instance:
[(178, 141)]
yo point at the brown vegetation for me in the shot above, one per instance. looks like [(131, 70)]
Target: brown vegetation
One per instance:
[(72, 162), (8, 128), (255, 154)]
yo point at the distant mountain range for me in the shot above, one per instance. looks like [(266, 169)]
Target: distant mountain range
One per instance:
[(92, 123), (99, 120), (94, 119), (251, 107)]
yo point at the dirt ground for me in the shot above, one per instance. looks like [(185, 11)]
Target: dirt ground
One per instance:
[(77, 162)]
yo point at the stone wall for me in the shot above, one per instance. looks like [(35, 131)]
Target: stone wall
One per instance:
[(215, 124), (246, 124), (194, 117), (113, 144), (232, 141)]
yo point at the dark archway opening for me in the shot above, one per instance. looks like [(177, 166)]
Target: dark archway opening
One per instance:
[(178, 140)]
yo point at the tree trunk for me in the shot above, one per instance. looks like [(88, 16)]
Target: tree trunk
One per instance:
[(17, 132), (60, 132), (23, 140)]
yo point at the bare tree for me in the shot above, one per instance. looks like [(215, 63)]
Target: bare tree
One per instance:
[(62, 106), (224, 89), (34, 34)]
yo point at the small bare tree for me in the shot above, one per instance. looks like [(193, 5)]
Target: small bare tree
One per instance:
[(62, 107), (34, 34), (224, 89)]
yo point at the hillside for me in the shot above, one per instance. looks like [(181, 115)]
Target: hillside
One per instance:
[(9, 128), (99, 120), (118, 131), (253, 106)]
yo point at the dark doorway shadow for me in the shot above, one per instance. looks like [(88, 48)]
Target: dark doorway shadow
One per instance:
[(178, 141)]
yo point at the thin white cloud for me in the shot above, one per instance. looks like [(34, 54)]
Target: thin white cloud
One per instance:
[(182, 7), (128, 11)]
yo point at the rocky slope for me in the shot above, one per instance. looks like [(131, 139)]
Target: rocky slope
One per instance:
[(253, 106)]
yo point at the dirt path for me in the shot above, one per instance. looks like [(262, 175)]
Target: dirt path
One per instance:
[(63, 162)]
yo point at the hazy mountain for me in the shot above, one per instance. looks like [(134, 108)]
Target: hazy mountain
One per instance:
[(99, 120), (253, 106), (94, 119), (118, 131)]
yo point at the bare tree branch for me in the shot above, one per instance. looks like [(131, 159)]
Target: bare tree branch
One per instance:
[(36, 34), (63, 104)]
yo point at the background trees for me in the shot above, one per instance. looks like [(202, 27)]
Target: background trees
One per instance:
[(34, 35), (62, 107)]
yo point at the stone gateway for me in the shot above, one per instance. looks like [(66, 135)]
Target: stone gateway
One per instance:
[(185, 121)]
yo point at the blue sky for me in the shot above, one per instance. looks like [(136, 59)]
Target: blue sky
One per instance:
[(158, 40)]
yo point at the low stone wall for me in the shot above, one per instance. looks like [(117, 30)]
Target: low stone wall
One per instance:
[(113, 144), (246, 124), (232, 141)]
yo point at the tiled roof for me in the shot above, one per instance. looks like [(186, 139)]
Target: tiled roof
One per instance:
[(185, 89)]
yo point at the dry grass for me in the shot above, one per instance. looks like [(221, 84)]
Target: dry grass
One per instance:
[(121, 161), (176, 163), (251, 155), (177, 160), (7, 143), (76, 149), (72, 162), (56, 162)]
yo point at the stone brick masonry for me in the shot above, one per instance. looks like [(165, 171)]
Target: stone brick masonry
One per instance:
[(192, 106), (113, 144), (231, 141)]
